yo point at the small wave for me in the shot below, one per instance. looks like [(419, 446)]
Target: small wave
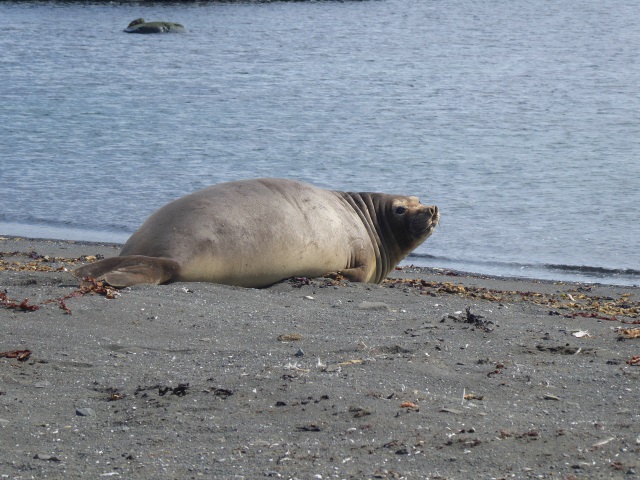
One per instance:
[(596, 271), (31, 221), (32, 227), (544, 271)]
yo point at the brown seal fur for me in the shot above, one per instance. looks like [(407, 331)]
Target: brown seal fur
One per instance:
[(253, 233)]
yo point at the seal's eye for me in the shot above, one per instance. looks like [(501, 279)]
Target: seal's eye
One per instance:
[(400, 210)]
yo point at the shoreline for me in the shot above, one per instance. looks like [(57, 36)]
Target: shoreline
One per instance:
[(427, 375), (575, 277)]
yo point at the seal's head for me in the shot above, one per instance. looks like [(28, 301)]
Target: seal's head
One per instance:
[(137, 21), (412, 222), (396, 224)]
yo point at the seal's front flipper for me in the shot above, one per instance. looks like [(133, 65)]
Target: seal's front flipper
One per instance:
[(130, 270), (356, 274)]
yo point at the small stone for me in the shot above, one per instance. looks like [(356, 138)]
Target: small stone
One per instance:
[(48, 458), (85, 412), (373, 306), (451, 410), (299, 353)]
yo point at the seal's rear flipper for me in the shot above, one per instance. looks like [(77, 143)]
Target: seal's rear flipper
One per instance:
[(130, 270)]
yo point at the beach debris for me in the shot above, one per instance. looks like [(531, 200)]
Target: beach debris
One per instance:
[(337, 367), (162, 390), (573, 304), (93, 286), (629, 333), (296, 367), (548, 396), (299, 353), (602, 442), (477, 321), (582, 334), (392, 444), (179, 391), (409, 405), (355, 361), (565, 350), (498, 370), (635, 360), (473, 396), (359, 412), (298, 282), (529, 434), (89, 286), (289, 337), (220, 392), (115, 396), (454, 411), (310, 427), (20, 355), (11, 304), (41, 263), (308, 297), (469, 317)]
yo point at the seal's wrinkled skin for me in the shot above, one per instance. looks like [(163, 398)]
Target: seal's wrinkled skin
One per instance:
[(254, 233)]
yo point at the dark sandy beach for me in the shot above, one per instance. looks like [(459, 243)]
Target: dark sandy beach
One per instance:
[(430, 375)]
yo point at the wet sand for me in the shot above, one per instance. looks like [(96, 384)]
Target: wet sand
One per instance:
[(432, 374)]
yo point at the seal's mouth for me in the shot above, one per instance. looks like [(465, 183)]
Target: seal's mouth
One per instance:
[(425, 223)]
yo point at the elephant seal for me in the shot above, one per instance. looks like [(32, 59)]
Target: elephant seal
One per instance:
[(140, 26), (254, 233)]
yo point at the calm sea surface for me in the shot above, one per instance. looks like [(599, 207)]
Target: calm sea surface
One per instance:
[(520, 120)]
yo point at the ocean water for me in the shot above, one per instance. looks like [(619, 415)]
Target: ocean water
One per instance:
[(520, 120)]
